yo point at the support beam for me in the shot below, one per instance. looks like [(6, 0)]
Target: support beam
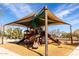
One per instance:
[(46, 32), (3, 32), (27, 28), (71, 34)]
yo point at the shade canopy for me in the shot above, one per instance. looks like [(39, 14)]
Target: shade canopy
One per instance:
[(36, 20)]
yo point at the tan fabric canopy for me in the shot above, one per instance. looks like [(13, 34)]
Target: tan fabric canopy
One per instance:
[(24, 19), (39, 19)]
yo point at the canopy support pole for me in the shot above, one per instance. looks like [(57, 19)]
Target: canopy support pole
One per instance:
[(71, 34), (46, 32), (3, 32), (27, 28)]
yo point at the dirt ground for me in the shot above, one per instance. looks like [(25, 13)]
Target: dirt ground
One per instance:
[(53, 50)]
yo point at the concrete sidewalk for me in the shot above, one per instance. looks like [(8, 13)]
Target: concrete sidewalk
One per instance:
[(6, 52), (75, 52)]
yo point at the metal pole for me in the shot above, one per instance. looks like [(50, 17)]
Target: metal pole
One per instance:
[(46, 32), (3, 34), (71, 34)]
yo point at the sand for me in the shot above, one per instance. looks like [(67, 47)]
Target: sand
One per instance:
[(53, 50)]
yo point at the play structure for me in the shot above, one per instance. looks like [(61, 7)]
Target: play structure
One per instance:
[(36, 21), (38, 37)]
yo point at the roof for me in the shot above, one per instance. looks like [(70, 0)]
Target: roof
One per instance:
[(38, 19)]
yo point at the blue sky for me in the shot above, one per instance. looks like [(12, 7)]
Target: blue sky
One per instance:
[(66, 12)]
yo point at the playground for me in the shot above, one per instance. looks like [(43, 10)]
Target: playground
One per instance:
[(36, 41)]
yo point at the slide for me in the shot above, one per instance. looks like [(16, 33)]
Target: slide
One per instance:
[(50, 37), (56, 41), (21, 41)]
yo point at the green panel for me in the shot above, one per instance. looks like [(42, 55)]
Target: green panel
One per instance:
[(35, 22)]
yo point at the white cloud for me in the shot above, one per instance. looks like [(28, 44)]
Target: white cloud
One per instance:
[(63, 13), (60, 8), (76, 7), (19, 9), (65, 6), (72, 17), (67, 10), (74, 22)]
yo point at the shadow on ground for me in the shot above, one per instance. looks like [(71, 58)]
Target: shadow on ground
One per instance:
[(22, 44)]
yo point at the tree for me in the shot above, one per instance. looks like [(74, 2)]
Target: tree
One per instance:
[(76, 33), (9, 32), (66, 35), (14, 33), (17, 32), (56, 33), (0, 33)]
